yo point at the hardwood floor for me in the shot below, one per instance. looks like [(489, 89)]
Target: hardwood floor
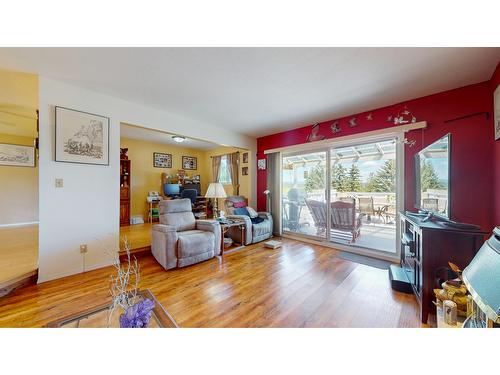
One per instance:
[(18, 252), (138, 235), (298, 285)]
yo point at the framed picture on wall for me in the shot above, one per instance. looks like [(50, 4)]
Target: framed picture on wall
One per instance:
[(162, 160), (261, 164), (244, 171), (17, 155), (81, 137), (245, 157), (496, 100), (189, 162)]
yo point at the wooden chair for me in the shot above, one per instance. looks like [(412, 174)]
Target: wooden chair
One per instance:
[(430, 204), (366, 207), (318, 212), (343, 217)]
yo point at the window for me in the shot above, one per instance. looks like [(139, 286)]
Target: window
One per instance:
[(224, 175)]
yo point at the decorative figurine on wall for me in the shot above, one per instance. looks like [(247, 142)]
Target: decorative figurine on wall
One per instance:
[(335, 127), (313, 135), (353, 122), (404, 117), (369, 117)]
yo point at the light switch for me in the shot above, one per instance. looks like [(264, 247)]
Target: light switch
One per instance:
[(59, 183)]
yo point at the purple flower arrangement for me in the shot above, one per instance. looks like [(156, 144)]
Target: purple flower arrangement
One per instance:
[(138, 315)]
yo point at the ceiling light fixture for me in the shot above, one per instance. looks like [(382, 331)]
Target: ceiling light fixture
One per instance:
[(178, 138)]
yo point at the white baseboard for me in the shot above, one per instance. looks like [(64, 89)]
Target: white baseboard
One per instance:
[(18, 224), (45, 278)]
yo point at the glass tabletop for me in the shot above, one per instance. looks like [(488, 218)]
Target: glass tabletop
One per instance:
[(100, 317)]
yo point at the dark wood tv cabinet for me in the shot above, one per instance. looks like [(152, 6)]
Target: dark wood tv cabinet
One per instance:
[(426, 249)]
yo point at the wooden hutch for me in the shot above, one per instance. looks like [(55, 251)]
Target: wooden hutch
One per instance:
[(124, 192)]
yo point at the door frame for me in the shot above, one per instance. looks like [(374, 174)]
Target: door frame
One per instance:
[(400, 192)]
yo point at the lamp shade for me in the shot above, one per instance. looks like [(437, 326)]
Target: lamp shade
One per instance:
[(482, 277), (215, 190)]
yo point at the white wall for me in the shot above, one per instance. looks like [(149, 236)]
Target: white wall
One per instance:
[(86, 209)]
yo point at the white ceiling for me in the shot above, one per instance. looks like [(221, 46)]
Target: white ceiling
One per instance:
[(259, 91), (148, 135)]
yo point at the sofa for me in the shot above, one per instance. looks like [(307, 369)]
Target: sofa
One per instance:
[(255, 232), (180, 240)]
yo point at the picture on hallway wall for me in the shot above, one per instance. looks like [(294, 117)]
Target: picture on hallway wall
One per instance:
[(497, 113), (244, 171), (189, 162), (162, 160), (17, 155), (81, 137)]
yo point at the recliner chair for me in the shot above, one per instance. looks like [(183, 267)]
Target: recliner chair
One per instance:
[(254, 232), (180, 240)]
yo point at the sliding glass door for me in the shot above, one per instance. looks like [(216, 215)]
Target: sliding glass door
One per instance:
[(304, 189), (347, 195), (363, 195)]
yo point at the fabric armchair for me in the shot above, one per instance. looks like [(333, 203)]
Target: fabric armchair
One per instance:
[(180, 240), (255, 232)]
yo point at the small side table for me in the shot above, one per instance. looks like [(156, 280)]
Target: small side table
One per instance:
[(224, 227)]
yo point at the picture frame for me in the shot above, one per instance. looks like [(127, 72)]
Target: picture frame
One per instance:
[(244, 171), (189, 162), (261, 164), (162, 160), (496, 112), (81, 137), (14, 155), (245, 157)]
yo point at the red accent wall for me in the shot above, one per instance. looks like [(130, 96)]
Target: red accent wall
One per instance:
[(472, 147), (495, 81)]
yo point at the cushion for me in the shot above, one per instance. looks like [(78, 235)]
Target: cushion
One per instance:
[(241, 211), (194, 242), (252, 212), (181, 220), (239, 204)]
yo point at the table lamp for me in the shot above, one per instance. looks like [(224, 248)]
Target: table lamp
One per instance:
[(216, 190), (482, 279)]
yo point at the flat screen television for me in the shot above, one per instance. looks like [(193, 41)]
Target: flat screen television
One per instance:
[(432, 178), (171, 190)]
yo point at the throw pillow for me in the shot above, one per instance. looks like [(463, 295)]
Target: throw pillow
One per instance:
[(239, 204), (241, 211), (252, 212)]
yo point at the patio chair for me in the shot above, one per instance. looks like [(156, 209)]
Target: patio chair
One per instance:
[(317, 210), (366, 207), (344, 218), (430, 204)]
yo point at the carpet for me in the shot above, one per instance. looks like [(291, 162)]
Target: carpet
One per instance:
[(367, 261)]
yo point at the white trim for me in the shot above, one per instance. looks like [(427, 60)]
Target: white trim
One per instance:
[(350, 249), (335, 141), (18, 224)]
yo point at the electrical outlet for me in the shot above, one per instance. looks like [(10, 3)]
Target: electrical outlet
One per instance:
[(83, 248), (59, 183)]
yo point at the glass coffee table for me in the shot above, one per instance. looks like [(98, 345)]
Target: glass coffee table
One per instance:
[(97, 317)]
